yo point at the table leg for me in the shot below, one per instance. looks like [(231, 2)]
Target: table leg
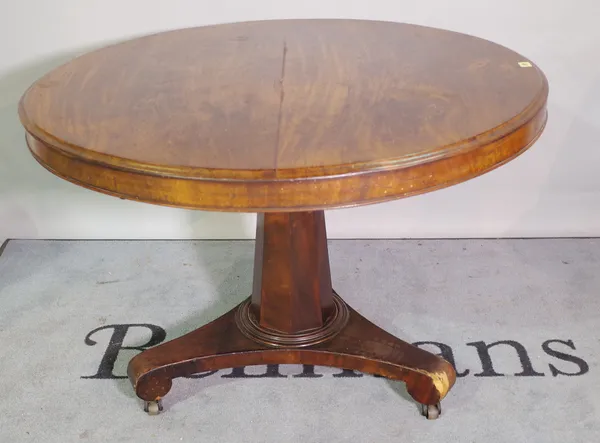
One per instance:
[(293, 317)]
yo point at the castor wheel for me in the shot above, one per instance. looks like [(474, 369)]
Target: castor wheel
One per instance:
[(432, 412), (153, 407)]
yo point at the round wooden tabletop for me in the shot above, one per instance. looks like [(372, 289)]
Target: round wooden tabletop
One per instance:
[(285, 115)]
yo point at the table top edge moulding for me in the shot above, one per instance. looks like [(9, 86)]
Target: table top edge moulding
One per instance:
[(400, 166)]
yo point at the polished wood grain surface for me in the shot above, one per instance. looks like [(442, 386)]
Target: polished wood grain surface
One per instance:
[(360, 346), (291, 292), (285, 115)]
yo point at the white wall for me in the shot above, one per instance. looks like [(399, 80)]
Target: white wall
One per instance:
[(551, 190)]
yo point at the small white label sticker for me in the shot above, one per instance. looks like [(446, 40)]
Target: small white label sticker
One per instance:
[(525, 65)]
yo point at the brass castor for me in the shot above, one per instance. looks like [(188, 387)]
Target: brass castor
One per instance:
[(153, 407), (432, 412)]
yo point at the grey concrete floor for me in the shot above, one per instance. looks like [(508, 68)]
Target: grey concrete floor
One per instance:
[(541, 297)]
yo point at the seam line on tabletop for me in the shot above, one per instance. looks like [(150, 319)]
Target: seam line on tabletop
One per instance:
[(281, 97)]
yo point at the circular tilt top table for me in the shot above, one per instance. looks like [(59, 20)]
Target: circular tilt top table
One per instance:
[(286, 118)]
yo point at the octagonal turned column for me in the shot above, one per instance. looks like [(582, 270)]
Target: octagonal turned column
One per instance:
[(292, 290)]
